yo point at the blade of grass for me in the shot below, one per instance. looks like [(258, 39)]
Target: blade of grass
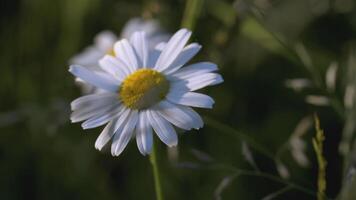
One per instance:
[(318, 142), (228, 130)]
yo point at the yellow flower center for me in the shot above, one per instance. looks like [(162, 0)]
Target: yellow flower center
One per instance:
[(143, 89), (111, 52)]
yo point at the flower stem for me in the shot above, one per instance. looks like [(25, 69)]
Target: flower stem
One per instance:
[(191, 13), (155, 171)]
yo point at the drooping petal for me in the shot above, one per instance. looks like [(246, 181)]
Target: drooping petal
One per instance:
[(163, 128), (193, 70), (122, 138), (144, 137), (125, 52), (139, 43), (172, 49), (187, 54), (191, 99), (178, 115), (115, 125), (115, 67), (104, 118), (94, 78)]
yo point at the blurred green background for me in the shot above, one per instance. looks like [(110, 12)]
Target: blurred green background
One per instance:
[(44, 156)]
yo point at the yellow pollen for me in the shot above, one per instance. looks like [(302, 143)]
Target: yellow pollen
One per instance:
[(111, 52), (143, 89)]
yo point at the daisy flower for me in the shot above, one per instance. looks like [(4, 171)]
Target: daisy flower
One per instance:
[(146, 91), (104, 42)]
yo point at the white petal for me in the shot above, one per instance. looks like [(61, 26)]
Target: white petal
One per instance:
[(133, 25), (84, 101), (160, 46), (122, 138), (144, 137), (163, 128), (200, 81), (173, 48), (193, 70), (198, 121), (105, 135), (91, 112), (104, 118), (105, 40), (125, 52), (156, 38), (179, 115), (88, 58), (178, 88), (191, 99), (151, 27), (85, 87), (114, 125), (153, 56), (93, 78), (115, 67), (93, 109), (188, 53), (139, 43), (107, 76)]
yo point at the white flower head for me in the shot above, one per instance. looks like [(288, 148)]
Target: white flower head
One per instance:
[(105, 40), (103, 44), (154, 33), (144, 91)]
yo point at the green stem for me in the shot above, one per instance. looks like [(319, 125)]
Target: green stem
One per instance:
[(156, 174), (191, 13)]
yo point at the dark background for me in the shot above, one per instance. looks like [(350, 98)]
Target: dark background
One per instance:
[(44, 156)]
